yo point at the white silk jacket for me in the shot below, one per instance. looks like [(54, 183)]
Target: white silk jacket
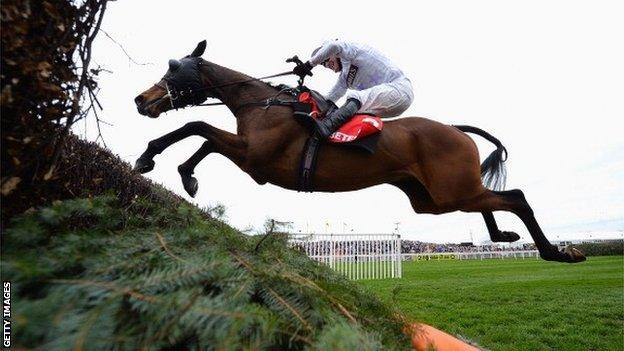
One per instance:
[(363, 67)]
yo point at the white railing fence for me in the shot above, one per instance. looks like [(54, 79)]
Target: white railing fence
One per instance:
[(477, 255), (378, 256), (357, 256)]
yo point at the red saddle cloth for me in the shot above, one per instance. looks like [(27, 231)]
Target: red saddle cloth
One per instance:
[(358, 127)]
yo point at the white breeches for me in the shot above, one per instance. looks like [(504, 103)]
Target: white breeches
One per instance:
[(385, 100)]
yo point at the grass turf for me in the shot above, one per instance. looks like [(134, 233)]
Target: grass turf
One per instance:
[(516, 304)]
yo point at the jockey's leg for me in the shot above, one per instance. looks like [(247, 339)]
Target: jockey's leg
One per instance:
[(384, 100), (337, 118)]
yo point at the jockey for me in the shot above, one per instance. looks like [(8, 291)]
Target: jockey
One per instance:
[(373, 83)]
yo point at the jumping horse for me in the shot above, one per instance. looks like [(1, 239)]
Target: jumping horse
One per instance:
[(435, 165)]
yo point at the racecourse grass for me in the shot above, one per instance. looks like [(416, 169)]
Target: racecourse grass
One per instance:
[(516, 304)]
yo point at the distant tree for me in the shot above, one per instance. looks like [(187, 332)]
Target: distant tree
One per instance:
[(271, 226)]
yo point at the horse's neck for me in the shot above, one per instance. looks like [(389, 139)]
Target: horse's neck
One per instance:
[(235, 95)]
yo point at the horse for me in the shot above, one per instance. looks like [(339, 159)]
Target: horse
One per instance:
[(435, 165)]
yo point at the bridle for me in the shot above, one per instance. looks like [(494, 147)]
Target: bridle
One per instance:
[(189, 97)]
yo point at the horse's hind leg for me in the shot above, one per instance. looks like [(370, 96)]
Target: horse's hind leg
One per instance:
[(419, 197), (496, 235), (515, 202)]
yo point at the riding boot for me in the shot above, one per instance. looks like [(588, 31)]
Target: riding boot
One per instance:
[(328, 125)]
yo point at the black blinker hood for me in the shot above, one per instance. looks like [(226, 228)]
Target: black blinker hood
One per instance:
[(185, 84)]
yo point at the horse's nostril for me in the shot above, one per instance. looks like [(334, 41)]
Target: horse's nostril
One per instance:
[(139, 99)]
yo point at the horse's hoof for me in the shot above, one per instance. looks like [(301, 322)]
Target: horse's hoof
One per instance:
[(144, 165), (509, 237), (190, 185), (568, 254), (574, 255)]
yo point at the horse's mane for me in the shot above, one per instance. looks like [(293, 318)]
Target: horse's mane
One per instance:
[(279, 87), (252, 80), (283, 89)]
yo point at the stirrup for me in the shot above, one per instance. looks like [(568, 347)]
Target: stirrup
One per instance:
[(302, 114)]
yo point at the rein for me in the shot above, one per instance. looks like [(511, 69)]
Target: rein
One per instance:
[(174, 93), (248, 80), (294, 59), (268, 102)]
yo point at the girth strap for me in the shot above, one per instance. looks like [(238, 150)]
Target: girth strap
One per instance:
[(308, 163)]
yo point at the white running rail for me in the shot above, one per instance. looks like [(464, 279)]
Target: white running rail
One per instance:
[(480, 255)]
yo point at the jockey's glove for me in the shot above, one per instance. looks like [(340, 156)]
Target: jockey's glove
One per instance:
[(304, 69)]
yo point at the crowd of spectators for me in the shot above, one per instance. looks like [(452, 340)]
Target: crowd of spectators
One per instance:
[(351, 247), (324, 247), (409, 246)]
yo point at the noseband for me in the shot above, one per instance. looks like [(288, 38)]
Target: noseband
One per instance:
[(178, 97)]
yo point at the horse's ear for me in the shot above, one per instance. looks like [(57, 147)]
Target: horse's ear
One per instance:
[(174, 65), (199, 50)]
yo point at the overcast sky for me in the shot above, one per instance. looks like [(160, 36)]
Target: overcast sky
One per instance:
[(544, 77)]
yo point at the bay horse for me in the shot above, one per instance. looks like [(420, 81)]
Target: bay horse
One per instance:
[(435, 165)]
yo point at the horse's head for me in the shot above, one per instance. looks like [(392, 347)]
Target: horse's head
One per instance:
[(181, 86)]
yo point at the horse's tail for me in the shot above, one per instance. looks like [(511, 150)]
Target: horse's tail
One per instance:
[(493, 172)]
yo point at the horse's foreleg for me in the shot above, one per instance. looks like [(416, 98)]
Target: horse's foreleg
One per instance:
[(230, 145), (187, 168), (145, 162), (495, 234)]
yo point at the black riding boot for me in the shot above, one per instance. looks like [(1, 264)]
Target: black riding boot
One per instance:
[(337, 118)]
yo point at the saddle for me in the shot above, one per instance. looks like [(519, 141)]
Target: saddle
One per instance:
[(361, 132), (312, 105)]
